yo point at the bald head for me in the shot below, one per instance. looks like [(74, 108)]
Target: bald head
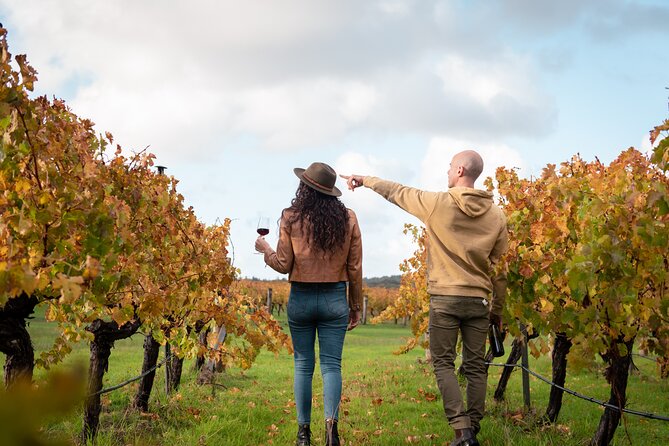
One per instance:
[(466, 167)]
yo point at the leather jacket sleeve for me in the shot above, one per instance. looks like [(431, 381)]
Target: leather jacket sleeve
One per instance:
[(354, 266), (282, 259)]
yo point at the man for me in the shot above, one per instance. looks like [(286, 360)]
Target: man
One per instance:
[(466, 237)]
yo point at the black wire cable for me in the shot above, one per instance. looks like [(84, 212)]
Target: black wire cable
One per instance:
[(583, 397), (647, 358), (520, 366), (131, 380)]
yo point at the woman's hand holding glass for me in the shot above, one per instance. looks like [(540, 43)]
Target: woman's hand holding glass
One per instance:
[(261, 244), (262, 230)]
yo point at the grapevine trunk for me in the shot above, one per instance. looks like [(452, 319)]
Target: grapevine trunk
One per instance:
[(561, 348), (199, 360), (617, 374), (151, 351), (105, 334), (175, 365), (15, 340)]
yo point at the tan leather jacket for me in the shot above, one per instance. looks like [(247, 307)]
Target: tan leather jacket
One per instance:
[(294, 256)]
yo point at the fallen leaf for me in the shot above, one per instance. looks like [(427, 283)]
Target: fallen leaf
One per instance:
[(563, 429)]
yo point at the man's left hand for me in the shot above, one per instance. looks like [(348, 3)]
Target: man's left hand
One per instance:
[(496, 319)]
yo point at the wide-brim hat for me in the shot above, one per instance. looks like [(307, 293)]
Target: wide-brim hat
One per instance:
[(320, 177)]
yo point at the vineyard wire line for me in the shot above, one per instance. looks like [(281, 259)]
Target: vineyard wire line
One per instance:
[(648, 358), (581, 396), (131, 380), (531, 372)]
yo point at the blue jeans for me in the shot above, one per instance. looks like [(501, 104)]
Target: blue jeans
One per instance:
[(317, 308)]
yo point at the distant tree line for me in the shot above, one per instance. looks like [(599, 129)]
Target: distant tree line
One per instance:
[(384, 281)]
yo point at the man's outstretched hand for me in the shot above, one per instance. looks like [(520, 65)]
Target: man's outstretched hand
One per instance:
[(353, 181)]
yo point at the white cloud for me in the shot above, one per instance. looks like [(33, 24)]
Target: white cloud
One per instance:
[(369, 206), (357, 102), (381, 222), (395, 7), (303, 113), (441, 150), (229, 93), (486, 80), (368, 164), (294, 74)]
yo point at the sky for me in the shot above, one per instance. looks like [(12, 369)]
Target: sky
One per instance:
[(232, 95)]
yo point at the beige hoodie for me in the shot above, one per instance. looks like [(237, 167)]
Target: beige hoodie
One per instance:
[(466, 238)]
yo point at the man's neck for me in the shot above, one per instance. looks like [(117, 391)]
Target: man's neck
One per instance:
[(464, 182)]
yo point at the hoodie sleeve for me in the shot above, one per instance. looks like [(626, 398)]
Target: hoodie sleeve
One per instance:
[(415, 201), (498, 271)]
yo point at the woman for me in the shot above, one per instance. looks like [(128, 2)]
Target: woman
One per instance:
[(321, 249)]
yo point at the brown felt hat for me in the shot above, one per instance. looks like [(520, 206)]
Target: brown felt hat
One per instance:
[(320, 177)]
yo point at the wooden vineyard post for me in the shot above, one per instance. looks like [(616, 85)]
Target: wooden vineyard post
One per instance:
[(269, 300), (364, 310), (526, 376)]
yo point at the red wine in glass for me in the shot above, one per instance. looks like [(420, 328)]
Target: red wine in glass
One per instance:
[(263, 226)]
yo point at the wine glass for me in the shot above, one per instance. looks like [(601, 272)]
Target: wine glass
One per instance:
[(263, 226)]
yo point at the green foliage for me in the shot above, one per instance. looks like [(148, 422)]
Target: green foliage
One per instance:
[(95, 235), (661, 150), (387, 400), (588, 253), (24, 408), (413, 300)]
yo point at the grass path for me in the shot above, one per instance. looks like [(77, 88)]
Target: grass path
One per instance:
[(387, 400)]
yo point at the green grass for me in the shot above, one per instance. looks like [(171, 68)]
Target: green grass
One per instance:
[(387, 400)]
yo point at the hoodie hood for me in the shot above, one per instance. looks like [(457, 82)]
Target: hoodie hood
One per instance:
[(473, 202)]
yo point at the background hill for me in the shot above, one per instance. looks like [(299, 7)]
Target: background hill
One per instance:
[(383, 281)]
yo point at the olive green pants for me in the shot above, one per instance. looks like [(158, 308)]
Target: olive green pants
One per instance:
[(469, 316)]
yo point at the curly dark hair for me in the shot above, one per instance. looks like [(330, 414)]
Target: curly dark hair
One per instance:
[(325, 215)]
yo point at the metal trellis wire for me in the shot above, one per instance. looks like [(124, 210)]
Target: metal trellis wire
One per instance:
[(581, 396), (131, 380)]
